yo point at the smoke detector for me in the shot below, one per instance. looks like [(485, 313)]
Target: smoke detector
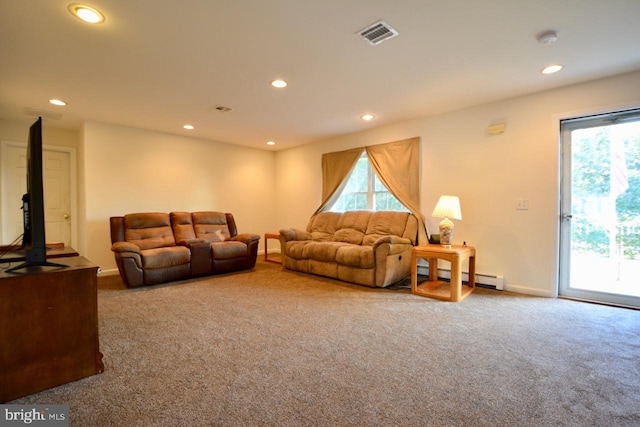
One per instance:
[(547, 37), (377, 32)]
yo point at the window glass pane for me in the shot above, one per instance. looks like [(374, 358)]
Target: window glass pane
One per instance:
[(349, 201), (395, 205), (338, 206), (361, 175), (351, 183), (356, 193), (381, 201), (377, 184)]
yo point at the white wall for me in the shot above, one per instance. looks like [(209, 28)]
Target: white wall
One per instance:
[(131, 170), (19, 132), (488, 173)]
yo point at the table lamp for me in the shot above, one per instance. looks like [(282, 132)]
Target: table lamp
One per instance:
[(447, 207)]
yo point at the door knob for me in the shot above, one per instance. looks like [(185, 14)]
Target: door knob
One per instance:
[(66, 216)]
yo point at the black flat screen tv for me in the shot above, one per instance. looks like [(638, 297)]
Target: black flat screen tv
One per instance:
[(34, 240)]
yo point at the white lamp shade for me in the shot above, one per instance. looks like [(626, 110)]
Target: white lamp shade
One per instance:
[(448, 207)]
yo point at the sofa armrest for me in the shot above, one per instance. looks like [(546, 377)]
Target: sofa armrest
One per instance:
[(200, 257), (393, 259), (396, 244), (122, 247), (245, 238), (289, 234), (129, 261)]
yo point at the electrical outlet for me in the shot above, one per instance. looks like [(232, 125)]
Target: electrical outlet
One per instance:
[(522, 204)]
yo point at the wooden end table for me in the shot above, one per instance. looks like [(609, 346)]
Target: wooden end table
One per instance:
[(48, 327), (447, 291), (266, 252)]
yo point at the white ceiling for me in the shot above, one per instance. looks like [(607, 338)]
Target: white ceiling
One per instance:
[(158, 64)]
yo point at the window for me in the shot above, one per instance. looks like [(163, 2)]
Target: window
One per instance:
[(365, 191)]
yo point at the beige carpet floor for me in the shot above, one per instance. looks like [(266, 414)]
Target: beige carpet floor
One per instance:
[(270, 347)]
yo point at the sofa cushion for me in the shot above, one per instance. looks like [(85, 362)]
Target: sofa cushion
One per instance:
[(182, 226), (349, 235), (352, 226), (296, 249), (356, 256), (228, 249), (322, 251), (148, 230), (165, 257), (209, 225), (385, 224), (323, 225)]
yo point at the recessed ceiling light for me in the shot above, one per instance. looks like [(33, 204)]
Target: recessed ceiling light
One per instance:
[(279, 84), (57, 102), (271, 143), (552, 69), (367, 117), (188, 127), (86, 13)]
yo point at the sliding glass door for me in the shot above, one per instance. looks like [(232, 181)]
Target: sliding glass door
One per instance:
[(600, 208)]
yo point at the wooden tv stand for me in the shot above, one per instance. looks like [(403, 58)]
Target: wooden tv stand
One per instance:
[(48, 327)]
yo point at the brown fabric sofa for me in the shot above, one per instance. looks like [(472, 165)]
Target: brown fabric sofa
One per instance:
[(364, 247), (152, 248)]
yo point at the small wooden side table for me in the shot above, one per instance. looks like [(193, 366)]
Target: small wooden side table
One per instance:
[(442, 290), (266, 251)]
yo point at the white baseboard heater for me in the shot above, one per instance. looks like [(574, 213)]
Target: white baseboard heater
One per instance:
[(493, 281)]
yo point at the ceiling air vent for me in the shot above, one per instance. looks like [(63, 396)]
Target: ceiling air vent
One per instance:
[(377, 33), (222, 108)]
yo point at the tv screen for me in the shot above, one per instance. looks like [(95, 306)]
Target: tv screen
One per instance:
[(33, 239)]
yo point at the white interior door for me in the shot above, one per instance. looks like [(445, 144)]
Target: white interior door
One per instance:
[(57, 167), (600, 216)]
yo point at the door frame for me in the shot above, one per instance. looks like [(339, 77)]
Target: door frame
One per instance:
[(73, 190)]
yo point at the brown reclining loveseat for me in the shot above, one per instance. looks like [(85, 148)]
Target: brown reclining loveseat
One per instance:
[(152, 248)]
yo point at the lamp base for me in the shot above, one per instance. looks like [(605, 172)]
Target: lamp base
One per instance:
[(446, 232)]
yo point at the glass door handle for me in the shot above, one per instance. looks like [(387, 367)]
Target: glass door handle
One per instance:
[(566, 217)]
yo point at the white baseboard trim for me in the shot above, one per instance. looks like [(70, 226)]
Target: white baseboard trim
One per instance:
[(110, 272), (495, 281), (528, 291)]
